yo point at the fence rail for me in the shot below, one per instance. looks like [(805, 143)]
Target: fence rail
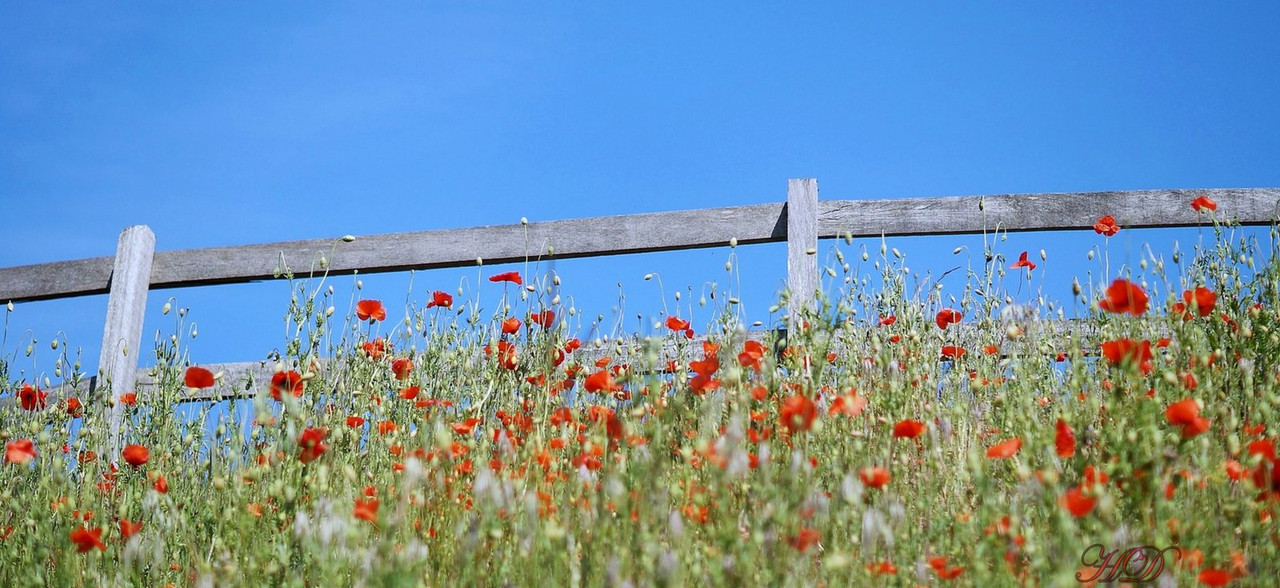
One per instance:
[(801, 221)]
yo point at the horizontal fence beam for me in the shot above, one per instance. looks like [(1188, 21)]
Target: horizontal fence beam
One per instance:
[(640, 233), (246, 380)]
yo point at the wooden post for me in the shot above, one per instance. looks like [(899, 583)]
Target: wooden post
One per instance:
[(802, 245), (122, 334)]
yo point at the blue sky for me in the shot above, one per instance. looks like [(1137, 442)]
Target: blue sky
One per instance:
[(242, 123)]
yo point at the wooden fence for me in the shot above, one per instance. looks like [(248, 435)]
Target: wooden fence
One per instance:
[(800, 221)]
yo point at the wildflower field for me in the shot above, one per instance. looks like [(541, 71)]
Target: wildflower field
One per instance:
[(899, 435)]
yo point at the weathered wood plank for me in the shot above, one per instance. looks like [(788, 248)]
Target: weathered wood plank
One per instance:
[(802, 245), (126, 307), (957, 215), (640, 233)]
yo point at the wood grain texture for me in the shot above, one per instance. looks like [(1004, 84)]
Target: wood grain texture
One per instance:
[(1040, 212), (126, 307), (640, 233), (802, 244)]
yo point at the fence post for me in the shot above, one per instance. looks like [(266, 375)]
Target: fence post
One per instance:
[(122, 333), (802, 246)]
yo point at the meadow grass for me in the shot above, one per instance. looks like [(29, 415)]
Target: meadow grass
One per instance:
[(899, 435)]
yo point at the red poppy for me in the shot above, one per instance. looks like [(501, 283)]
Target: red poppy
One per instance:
[(752, 353), (402, 367), (948, 316), (1077, 503), (1186, 414), (882, 568), (511, 326), (355, 422), (1203, 203), (1124, 296), (543, 319), (465, 427), (370, 310), (441, 299), (1213, 577), (161, 485), (198, 377), (909, 429), (32, 398), (797, 413), (1023, 262), (952, 352), (1065, 439), (601, 381), (311, 444), (129, 529), (290, 381), (805, 539), (513, 277), (86, 540), (375, 349), (849, 404), (1106, 226), (1201, 299), (366, 510), (1128, 352), (129, 399), (887, 320), (1005, 449), (75, 409), (874, 477), (135, 455), (20, 451), (410, 392), (387, 426)]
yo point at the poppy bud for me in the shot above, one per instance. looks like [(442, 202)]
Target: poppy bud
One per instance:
[(165, 308), (348, 238), (733, 242), (524, 220), (10, 306)]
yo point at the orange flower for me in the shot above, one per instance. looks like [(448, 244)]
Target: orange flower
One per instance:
[(1186, 414), (1023, 262), (129, 529), (386, 426), (370, 310), (1203, 203), (909, 429), (601, 381), (805, 539), (1210, 576), (1065, 439), (74, 407), (948, 316), (874, 477), (752, 353), (161, 485), (129, 399), (543, 319), (198, 377), (1106, 226), (886, 321), (881, 568), (849, 404), (366, 510), (32, 398), (1077, 503), (952, 352), (1124, 296), (1201, 299), (20, 451), (1128, 352), (290, 381), (355, 422), (513, 277), (797, 413), (86, 540), (465, 427), (441, 299), (1005, 449), (136, 455), (402, 367), (311, 443), (410, 392), (511, 326)]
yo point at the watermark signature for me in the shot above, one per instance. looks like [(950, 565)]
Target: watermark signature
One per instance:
[(1142, 563)]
